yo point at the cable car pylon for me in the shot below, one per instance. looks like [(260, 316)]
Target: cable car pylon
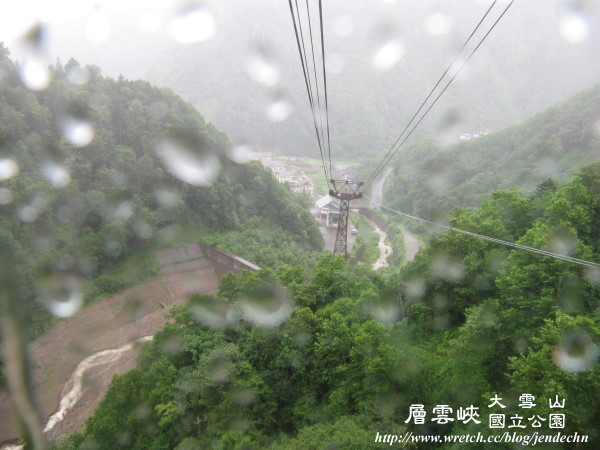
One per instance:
[(345, 191)]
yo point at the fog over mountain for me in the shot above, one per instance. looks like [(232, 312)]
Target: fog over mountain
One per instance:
[(246, 77)]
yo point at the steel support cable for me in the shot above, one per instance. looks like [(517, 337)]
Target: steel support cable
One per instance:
[(312, 47), (538, 251), (433, 89), (387, 158), (325, 84), (308, 90)]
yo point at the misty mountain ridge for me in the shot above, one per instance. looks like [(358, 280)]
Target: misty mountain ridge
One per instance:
[(526, 64), (431, 177)]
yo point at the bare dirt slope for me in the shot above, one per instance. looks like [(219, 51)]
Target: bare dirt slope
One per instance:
[(108, 324)]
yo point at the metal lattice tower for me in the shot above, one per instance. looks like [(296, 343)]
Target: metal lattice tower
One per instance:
[(344, 190)]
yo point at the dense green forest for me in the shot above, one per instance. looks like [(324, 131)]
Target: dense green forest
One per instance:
[(96, 172), (299, 358), (430, 178)]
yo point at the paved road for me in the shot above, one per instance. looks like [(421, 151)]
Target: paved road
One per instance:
[(377, 195)]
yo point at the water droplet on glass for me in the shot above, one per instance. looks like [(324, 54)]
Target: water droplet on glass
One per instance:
[(77, 75), (33, 70), (437, 24), (576, 352), (239, 154), (6, 196), (385, 309), (447, 268), (592, 275), (242, 397), (597, 128), (574, 27), (61, 294), (167, 198), (142, 229), (279, 110), (388, 55), (415, 288), (262, 69), (98, 26), (266, 306), (343, 26), (34, 73), (121, 211), (8, 168), (188, 158), (194, 24), (218, 369), (56, 174), (212, 312), (78, 132), (30, 213)]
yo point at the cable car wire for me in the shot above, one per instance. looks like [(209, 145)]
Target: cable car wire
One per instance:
[(538, 251), (391, 153), (434, 88), (308, 89)]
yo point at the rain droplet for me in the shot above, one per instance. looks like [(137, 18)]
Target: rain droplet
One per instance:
[(167, 198), (262, 69), (121, 210), (385, 309), (142, 229), (279, 110), (30, 213), (388, 55), (34, 71), (592, 275), (194, 24), (266, 306), (188, 158), (446, 268), (239, 154), (56, 174), (61, 294), (415, 288), (243, 397), (576, 352), (218, 369), (437, 25), (77, 75), (6, 196), (79, 132), (597, 128), (574, 27), (8, 168), (99, 26), (212, 312)]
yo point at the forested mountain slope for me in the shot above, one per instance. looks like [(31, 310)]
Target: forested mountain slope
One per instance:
[(320, 358), (431, 177), (95, 171)]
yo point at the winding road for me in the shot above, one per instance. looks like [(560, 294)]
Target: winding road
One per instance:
[(411, 242)]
